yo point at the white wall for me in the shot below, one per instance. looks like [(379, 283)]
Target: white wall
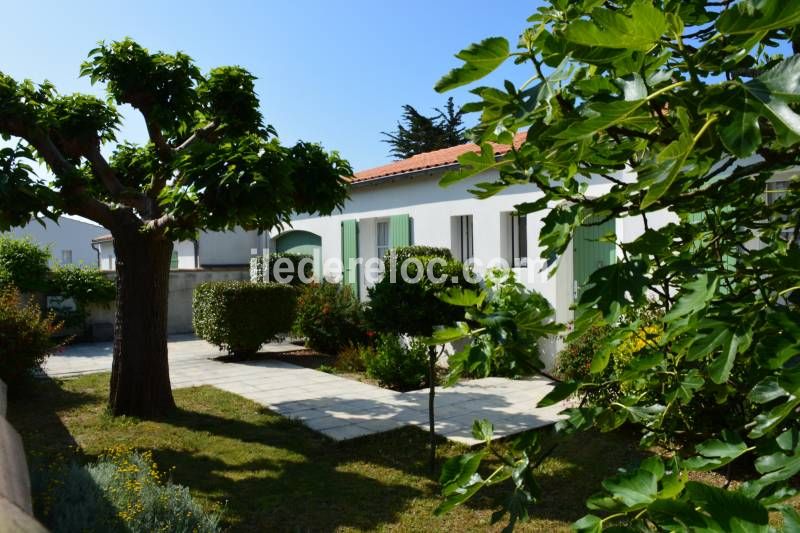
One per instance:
[(228, 248), (215, 249), (431, 208), (68, 234)]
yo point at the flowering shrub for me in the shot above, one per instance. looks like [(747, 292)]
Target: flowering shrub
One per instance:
[(26, 337), (122, 491), (330, 317)]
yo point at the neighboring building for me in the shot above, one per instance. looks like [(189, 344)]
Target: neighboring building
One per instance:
[(402, 203), (69, 240), (231, 249)]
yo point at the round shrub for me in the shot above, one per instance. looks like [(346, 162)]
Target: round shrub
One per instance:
[(397, 366), (398, 306), (23, 264), (330, 317), (26, 338), (239, 316)]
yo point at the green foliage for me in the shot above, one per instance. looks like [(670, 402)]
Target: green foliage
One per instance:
[(353, 358), (418, 133), (26, 338), (330, 317), (502, 323), (122, 491), (403, 307), (23, 264), (240, 316), (85, 285), (396, 365), (209, 163), (290, 263), (679, 95)]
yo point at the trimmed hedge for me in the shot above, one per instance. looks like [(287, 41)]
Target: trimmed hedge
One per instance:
[(292, 273), (240, 316), (405, 252)]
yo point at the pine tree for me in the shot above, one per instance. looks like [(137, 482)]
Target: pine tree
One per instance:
[(417, 133)]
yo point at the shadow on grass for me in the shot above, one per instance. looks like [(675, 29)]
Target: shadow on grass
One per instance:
[(272, 473)]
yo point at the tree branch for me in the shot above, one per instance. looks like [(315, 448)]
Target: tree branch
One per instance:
[(108, 177), (203, 133)]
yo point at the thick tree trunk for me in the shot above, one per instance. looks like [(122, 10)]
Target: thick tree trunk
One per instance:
[(140, 383)]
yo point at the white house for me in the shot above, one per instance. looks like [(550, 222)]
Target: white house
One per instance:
[(231, 249), (403, 203), (69, 239)]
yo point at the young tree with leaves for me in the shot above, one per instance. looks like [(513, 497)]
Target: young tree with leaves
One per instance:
[(211, 163), (417, 133), (689, 107)]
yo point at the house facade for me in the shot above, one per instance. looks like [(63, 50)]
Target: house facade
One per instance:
[(402, 203), (69, 239)]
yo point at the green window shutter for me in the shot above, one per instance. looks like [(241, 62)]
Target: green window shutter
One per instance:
[(399, 231), (173, 263), (350, 252), (590, 253)]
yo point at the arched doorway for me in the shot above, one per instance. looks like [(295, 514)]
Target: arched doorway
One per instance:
[(301, 242)]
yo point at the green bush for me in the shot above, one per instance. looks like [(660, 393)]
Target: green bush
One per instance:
[(415, 308), (239, 316), (123, 491), (352, 358), (26, 338), (330, 317), (85, 286), (397, 366), (512, 303), (292, 273), (23, 264), (402, 253)]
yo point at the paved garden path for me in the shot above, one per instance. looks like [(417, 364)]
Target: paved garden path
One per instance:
[(338, 407)]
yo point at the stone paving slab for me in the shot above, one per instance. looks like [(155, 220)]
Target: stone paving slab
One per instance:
[(338, 407)]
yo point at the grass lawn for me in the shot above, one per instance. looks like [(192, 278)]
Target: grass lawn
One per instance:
[(270, 473)]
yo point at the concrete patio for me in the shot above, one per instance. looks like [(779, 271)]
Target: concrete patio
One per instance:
[(338, 407)]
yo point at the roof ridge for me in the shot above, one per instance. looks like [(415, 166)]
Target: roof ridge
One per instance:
[(429, 160)]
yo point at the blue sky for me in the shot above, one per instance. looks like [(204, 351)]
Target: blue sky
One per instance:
[(334, 72)]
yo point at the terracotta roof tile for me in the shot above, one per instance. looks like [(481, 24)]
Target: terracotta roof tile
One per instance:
[(430, 160)]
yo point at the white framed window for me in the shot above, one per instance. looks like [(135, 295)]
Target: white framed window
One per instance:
[(66, 257), (518, 231), (381, 238), (461, 236)]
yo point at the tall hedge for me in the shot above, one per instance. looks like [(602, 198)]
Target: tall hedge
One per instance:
[(240, 316)]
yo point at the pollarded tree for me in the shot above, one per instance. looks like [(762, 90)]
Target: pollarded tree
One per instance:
[(211, 163)]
